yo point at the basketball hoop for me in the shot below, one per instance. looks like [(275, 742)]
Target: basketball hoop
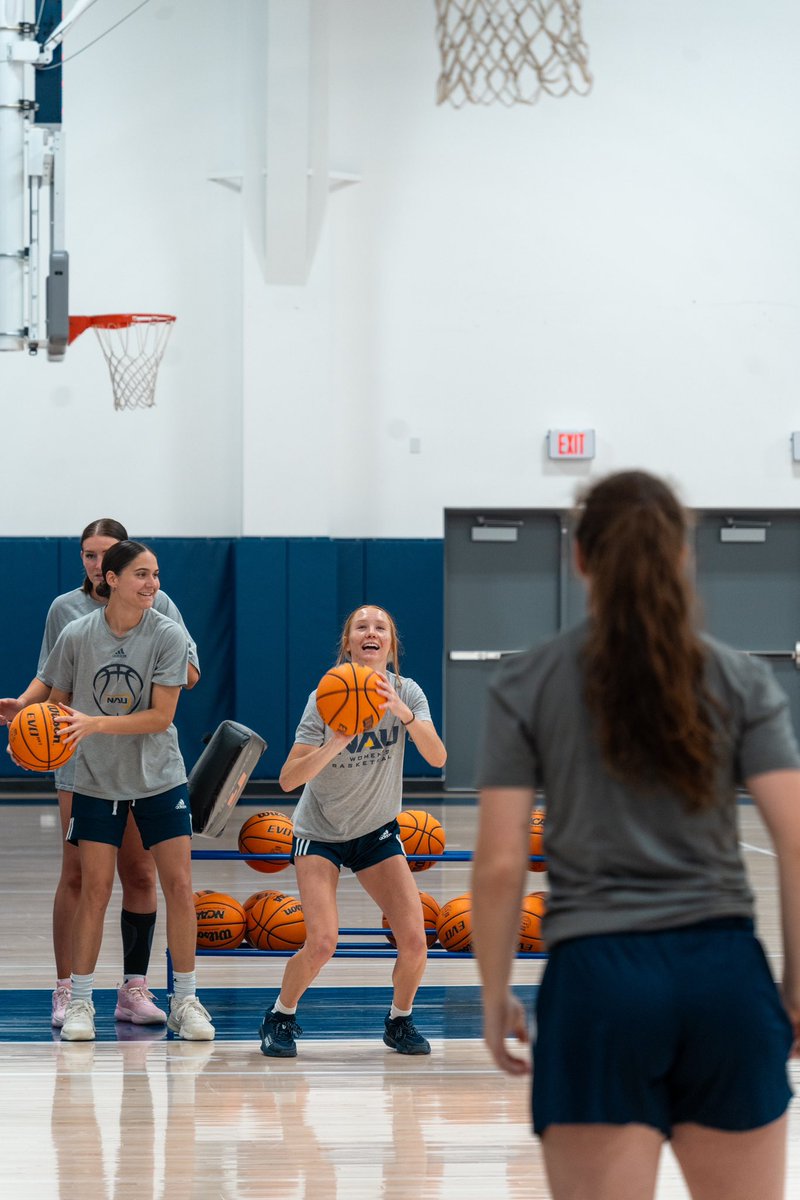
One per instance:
[(133, 345), (510, 50)]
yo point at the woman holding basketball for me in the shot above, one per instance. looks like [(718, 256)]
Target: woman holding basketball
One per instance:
[(135, 865), (657, 1016), (118, 673), (346, 817)]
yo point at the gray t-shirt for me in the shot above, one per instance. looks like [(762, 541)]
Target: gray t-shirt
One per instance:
[(362, 788), (622, 858), (114, 676), (78, 603)]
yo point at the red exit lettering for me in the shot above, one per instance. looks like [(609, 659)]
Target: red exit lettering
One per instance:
[(571, 443)]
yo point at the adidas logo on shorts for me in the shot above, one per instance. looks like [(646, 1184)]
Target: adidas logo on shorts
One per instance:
[(386, 833), (181, 804)]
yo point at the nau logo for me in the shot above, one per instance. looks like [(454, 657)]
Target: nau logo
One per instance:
[(117, 689), (378, 739)]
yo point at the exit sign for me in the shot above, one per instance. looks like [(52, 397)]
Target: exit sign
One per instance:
[(570, 443)]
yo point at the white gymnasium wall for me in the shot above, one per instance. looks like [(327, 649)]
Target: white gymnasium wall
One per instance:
[(627, 262), (150, 112)]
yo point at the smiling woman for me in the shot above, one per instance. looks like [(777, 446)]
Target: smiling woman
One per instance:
[(118, 672), (135, 1003), (347, 817)]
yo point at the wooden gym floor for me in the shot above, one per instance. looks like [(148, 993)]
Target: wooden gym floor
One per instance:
[(141, 1114)]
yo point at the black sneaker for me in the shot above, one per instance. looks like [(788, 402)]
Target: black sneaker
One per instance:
[(277, 1032), (402, 1035)]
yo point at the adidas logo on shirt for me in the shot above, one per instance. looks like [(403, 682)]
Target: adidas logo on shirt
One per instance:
[(119, 653)]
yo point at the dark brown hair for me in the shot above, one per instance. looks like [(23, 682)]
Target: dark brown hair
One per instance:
[(117, 558), (105, 527), (644, 660)]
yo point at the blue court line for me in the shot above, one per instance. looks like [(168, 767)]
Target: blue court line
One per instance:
[(324, 1013)]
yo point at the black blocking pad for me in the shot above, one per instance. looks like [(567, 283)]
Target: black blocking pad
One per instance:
[(218, 777)]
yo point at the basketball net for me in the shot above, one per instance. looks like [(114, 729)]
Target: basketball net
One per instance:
[(510, 50), (133, 345)]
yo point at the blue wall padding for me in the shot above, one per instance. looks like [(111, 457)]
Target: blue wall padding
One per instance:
[(260, 655), (266, 614), (197, 575)]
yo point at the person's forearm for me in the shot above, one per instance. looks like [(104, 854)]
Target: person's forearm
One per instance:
[(424, 736), (298, 771)]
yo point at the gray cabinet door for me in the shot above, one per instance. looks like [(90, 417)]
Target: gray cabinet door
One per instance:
[(505, 592)]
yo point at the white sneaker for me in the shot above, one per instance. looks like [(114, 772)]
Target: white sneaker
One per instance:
[(190, 1020), (78, 1022)]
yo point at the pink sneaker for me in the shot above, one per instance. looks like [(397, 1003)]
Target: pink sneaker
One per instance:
[(61, 998), (135, 1004)]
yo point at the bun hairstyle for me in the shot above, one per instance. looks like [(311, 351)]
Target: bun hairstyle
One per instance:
[(394, 643), (105, 527), (116, 559), (644, 659)]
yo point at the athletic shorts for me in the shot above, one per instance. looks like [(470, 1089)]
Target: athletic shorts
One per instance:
[(661, 1028), (357, 854), (159, 818)]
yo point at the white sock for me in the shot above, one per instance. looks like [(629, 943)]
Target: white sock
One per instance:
[(82, 986), (395, 1012), (185, 985), (283, 1008)]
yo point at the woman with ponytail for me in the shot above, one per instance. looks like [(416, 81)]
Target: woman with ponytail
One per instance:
[(657, 1017)]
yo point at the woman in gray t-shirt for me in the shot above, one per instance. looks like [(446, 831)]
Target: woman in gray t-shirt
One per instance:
[(137, 874), (118, 674), (347, 817), (657, 1016)]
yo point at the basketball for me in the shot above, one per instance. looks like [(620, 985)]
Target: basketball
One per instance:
[(221, 921), (348, 699), (204, 892), (430, 914), (36, 740), (537, 839), (250, 901), (455, 924), (533, 909), (276, 923), (268, 832), (248, 906), (420, 833)]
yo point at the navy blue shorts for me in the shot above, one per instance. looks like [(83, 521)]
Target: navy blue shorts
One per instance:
[(661, 1028), (357, 854), (159, 818)]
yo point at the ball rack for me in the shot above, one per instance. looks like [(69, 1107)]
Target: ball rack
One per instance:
[(344, 949)]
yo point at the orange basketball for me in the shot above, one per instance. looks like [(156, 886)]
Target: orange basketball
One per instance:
[(221, 921), (268, 832), (248, 906), (537, 839), (455, 924), (420, 833), (36, 740), (430, 913), (276, 923), (205, 892), (348, 699), (533, 909)]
